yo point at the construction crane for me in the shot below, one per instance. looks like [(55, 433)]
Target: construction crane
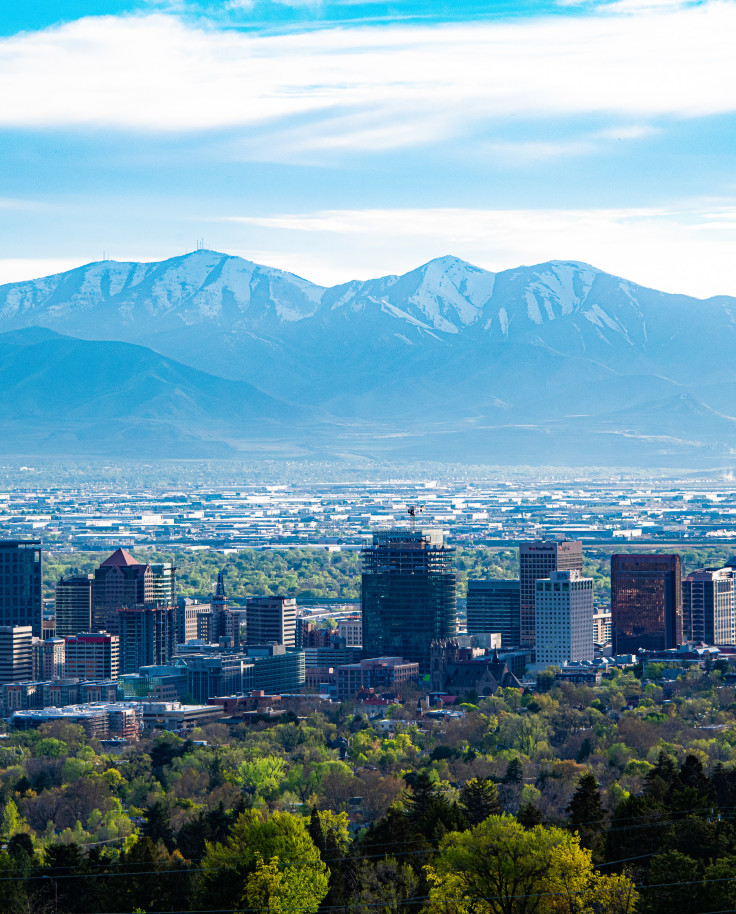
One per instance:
[(414, 511)]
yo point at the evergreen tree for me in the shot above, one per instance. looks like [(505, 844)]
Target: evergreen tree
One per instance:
[(587, 814), (479, 799), (317, 832), (529, 815), (514, 772), (158, 826)]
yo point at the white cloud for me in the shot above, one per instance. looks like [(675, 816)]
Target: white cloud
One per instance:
[(17, 269), (688, 249), (372, 87)]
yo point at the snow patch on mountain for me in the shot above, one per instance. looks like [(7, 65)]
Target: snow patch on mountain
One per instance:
[(532, 307)]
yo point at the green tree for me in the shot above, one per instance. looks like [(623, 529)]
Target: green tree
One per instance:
[(479, 799), (385, 886), (257, 846), (501, 868), (587, 814), (672, 888)]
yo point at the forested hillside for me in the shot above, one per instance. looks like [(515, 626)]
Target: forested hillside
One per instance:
[(316, 574), (572, 794)]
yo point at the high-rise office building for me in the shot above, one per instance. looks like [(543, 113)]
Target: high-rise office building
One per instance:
[(602, 628), (538, 559), (564, 618), (16, 653), (646, 602), (271, 620), (494, 606), (20, 584), (120, 582), (73, 601), (709, 606), (164, 583), (147, 637), (408, 594), (92, 655), (187, 614), (49, 659)]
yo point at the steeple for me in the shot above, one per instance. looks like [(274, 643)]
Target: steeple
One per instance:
[(220, 587), (219, 601)]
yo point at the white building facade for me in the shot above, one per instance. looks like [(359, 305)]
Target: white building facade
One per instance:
[(564, 618)]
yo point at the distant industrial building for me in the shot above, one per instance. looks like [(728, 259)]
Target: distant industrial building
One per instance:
[(20, 584), (73, 603), (564, 618), (646, 602), (408, 594), (495, 606), (538, 559)]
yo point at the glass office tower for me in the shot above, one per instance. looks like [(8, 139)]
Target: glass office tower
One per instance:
[(408, 594), (494, 606), (646, 602), (20, 584)]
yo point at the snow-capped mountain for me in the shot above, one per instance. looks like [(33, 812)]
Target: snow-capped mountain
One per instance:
[(561, 351)]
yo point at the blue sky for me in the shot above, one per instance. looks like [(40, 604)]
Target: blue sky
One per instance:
[(352, 139)]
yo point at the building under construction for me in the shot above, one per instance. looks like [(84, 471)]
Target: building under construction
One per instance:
[(408, 594)]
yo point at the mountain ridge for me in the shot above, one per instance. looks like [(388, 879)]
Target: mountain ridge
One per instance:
[(560, 349)]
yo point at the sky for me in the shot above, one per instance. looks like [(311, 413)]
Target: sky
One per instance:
[(341, 139)]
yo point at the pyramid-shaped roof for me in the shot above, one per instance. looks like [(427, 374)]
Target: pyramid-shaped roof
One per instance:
[(120, 557)]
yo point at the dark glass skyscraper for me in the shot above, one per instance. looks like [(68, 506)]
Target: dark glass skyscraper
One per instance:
[(20, 584), (493, 606), (408, 594), (73, 601), (646, 602)]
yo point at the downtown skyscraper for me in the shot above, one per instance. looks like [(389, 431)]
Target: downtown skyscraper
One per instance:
[(408, 594)]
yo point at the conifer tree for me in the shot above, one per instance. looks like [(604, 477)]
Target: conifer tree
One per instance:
[(479, 799)]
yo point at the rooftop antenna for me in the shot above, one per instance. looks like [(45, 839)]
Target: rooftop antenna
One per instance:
[(413, 511)]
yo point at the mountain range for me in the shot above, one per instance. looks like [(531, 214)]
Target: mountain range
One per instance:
[(207, 354)]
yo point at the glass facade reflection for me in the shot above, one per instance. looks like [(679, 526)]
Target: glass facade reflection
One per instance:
[(646, 602), (408, 594)]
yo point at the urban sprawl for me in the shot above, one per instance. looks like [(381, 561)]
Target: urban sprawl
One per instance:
[(121, 652)]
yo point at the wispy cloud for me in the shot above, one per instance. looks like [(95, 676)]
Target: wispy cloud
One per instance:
[(385, 87), (685, 249)]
